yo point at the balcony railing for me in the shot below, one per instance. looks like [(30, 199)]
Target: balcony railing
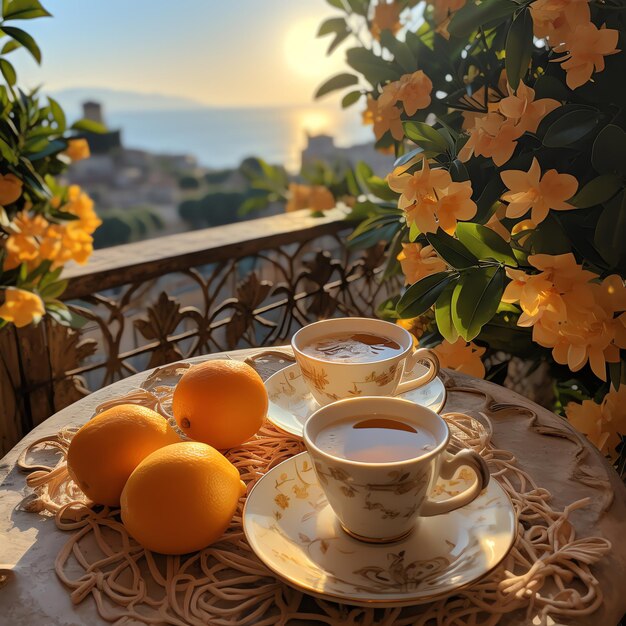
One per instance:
[(150, 303)]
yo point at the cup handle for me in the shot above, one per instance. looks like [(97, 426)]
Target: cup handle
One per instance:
[(422, 354), (450, 463)]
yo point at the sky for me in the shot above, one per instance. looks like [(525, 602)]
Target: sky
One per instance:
[(217, 52)]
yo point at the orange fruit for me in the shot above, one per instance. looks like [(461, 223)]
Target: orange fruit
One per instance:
[(220, 402), (181, 498), (106, 450)]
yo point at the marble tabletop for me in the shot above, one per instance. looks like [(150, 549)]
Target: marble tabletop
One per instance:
[(546, 446)]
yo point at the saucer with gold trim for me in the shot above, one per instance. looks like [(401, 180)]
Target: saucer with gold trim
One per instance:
[(292, 529), (291, 402)]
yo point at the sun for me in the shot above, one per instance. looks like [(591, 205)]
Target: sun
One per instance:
[(305, 54)]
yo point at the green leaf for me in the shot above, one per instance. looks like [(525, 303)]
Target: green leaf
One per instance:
[(58, 114), (409, 156), (379, 187), (420, 296), (458, 171), (336, 82), (374, 69), (617, 371), (53, 290), (425, 137), (571, 128), (89, 126), (374, 230), (49, 148), (475, 300), (597, 191), (451, 250), (443, 314), (24, 39), (23, 9), (490, 195), (386, 310), (467, 19), (360, 7), (350, 98), (255, 203), (519, 47), (610, 233), (608, 150), (332, 25), (551, 87), (337, 41), (9, 46), (484, 243), (338, 4), (7, 152), (8, 71), (362, 172), (414, 232), (402, 54)]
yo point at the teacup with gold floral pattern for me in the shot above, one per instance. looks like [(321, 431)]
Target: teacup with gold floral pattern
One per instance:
[(381, 502), (330, 379)]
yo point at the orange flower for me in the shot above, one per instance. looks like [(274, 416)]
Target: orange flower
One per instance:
[(586, 48), (386, 17), (21, 307), (35, 239), (455, 205), (77, 149), (495, 134), (573, 316), (531, 191), (22, 245), (554, 20), (322, 199), (384, 118), (430, 198), (536, 295), (602, 423), (443, 11), (413, 90), (315, 197), (495, 223), (10, 189), (525, 226), (81, 205), (417, 326), (522, 109), (418, 261), (461, 356), (298, 197), (491, 137)]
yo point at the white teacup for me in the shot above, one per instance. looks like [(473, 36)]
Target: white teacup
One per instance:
[(381, 502), (330, 380)]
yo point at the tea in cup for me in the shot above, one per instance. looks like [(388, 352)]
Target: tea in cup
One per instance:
[(377, 459), (357, 356)]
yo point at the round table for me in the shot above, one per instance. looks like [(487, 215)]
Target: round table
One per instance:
[(559, 458)]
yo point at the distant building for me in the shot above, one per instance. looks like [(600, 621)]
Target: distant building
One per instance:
[(100, 143), (323, 148)]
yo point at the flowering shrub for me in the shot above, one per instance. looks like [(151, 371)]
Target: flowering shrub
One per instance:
[(506, 208), (43, 224)]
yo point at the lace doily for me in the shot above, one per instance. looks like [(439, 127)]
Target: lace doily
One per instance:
[(547, 573)]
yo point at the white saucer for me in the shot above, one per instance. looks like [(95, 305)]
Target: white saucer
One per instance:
[(292, 529), (291, 402)]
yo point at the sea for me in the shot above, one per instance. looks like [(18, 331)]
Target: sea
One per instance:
[(223, 137)]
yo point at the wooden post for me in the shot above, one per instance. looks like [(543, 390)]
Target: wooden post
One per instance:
[(36, 373), (13, 418)]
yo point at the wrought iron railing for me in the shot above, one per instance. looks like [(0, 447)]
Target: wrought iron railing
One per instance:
[(150, 303)]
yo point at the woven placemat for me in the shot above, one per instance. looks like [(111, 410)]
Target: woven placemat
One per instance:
[(547, 573)]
